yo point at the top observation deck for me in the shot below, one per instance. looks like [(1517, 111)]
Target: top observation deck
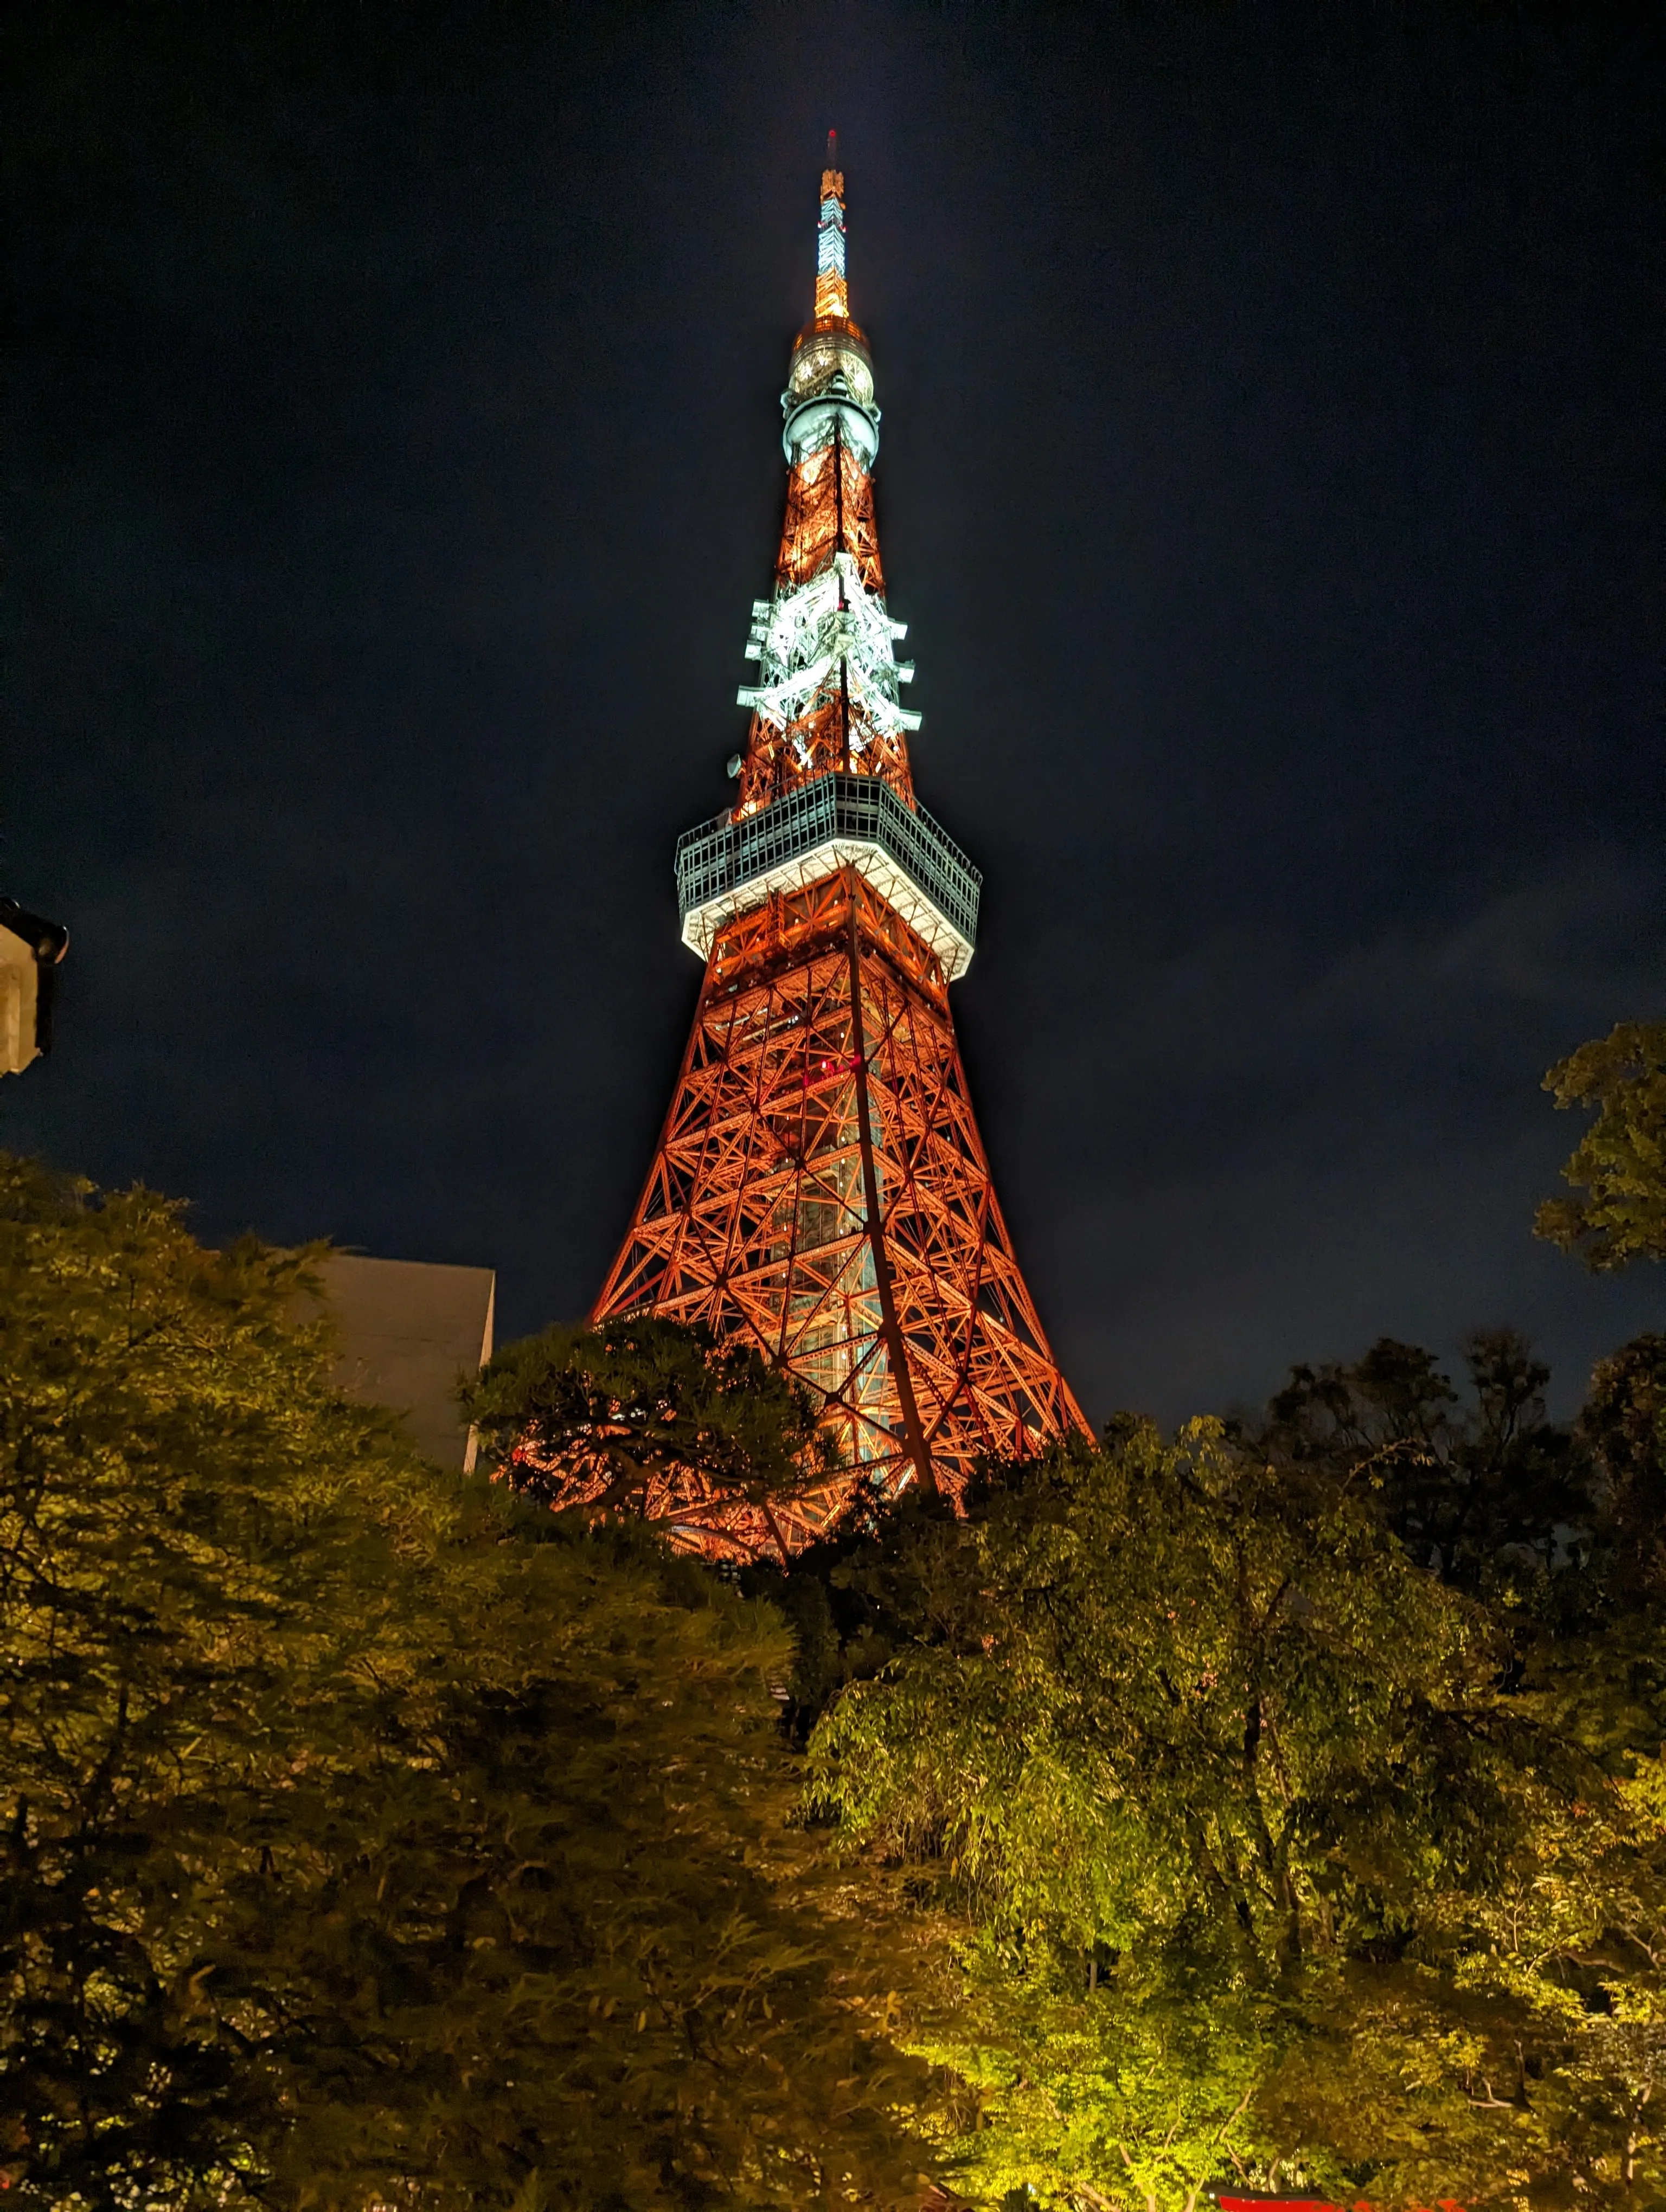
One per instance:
[(730, 865)]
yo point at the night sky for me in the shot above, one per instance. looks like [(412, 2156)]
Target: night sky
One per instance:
[(1273, 413)]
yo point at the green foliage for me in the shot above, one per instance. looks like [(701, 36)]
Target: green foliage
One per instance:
[(1285, 1802), (369, 1837), (651, 1420), (1261, 1868), (1485, 1489), (1619, 1164), (1623, 1429)]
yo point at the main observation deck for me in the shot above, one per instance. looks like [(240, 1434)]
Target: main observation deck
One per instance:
[(724, 868)]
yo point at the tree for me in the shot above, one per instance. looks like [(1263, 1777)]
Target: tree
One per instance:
[(1485, 1490), (651, 1420), (1262, 1867), (1623, 1428), (1619, 1164), (371, 1837)]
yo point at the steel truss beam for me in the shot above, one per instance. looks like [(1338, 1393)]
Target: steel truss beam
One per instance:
[(820, 1188)]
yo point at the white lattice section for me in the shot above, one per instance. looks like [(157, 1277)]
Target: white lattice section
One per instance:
[(801, 639)]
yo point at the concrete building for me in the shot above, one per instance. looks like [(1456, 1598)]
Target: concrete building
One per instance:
[(30, 950), (411, 1332)]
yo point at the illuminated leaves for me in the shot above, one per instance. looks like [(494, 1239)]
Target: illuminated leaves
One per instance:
[(367, 1837), (1619, 1164), (1260, 1862)]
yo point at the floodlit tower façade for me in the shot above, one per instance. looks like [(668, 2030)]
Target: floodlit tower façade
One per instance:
[(820, 1188)]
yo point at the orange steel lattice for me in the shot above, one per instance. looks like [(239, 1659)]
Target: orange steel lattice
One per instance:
[(820, 1188)]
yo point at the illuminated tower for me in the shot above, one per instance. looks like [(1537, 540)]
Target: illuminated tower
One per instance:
[(820, 1187)]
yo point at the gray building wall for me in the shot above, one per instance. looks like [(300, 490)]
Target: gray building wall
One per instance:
[(411, 1331)]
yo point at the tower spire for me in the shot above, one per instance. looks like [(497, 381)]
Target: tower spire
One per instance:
[(832, 298), (820, 1190), (829, 693)]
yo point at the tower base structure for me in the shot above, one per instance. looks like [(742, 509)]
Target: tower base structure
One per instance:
[(821, 1190)]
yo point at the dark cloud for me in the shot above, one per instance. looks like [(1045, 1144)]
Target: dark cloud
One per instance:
[(1356, 1145), (1272, 402)]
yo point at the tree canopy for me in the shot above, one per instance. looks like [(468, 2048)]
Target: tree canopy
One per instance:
[(1618, 1166), (649, 1421), (1280, 1801), (369, 1836), (1267, 1860), (1479, 1485)]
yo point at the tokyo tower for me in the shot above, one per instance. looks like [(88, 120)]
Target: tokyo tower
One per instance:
[(820, 1189)]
